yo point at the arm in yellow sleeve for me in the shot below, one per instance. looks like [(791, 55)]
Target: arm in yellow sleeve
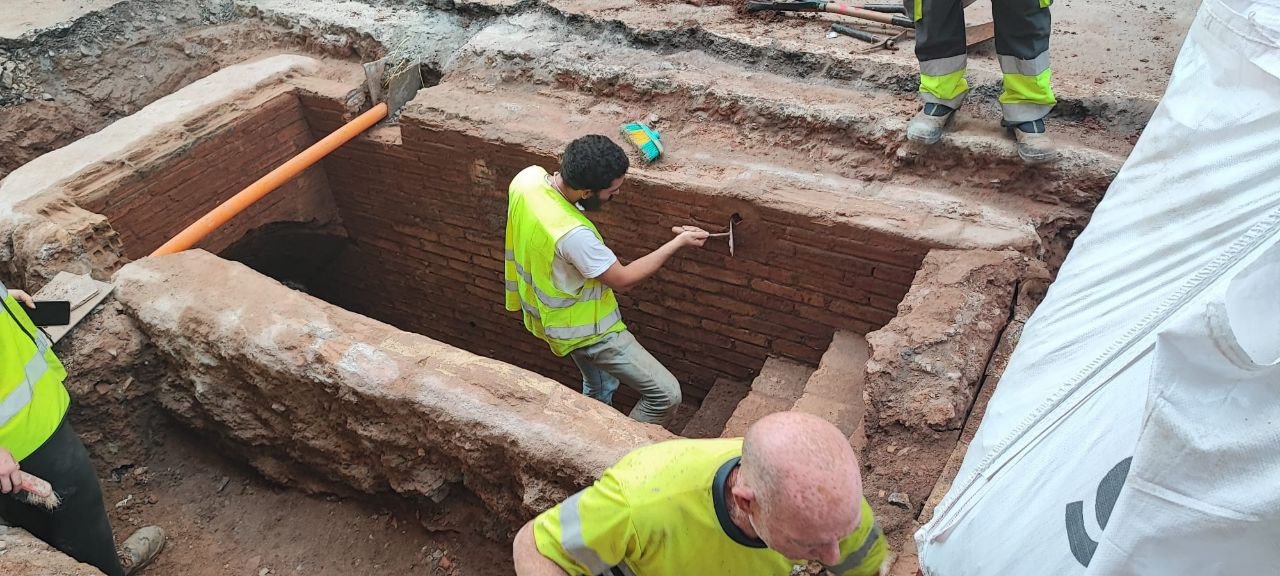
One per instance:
[(590, 532)]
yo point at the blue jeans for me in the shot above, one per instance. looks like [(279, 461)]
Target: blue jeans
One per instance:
[(618, 358)]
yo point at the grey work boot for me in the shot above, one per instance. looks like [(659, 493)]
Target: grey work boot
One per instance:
[(1034, 145), (929, 122), (141, 548)]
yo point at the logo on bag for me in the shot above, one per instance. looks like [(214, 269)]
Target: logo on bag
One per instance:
[(1082, 546)]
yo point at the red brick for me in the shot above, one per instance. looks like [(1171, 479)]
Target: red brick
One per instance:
[(894, 274)]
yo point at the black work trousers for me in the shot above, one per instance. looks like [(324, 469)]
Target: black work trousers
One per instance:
[(79, 527), (1022, 46)]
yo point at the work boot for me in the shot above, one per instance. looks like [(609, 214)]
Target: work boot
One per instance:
[(141, 548), (929, 122), (1034, 146)]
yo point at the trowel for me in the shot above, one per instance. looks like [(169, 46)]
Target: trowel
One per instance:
[(733, 220)]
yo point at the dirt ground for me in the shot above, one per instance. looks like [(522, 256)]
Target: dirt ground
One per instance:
[(223, 519)]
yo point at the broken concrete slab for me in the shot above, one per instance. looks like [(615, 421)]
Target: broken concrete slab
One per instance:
[(303, 388), (924, 371), (1031, 292)]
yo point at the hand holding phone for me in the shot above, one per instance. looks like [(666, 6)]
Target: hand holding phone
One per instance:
[(50, 313)]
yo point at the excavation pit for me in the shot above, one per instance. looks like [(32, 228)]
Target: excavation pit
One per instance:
[(347, 335)]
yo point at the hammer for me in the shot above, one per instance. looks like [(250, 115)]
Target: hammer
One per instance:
[(735, 219)]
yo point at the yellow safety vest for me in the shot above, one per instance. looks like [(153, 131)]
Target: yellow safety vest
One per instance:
[(663, 511), (32, 397), (537, 217)]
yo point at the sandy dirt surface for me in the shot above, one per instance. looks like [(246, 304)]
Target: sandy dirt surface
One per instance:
[(1099, 48), (225, 520)]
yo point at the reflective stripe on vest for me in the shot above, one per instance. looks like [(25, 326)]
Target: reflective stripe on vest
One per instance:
[(593, 292), (33, 400), (857, 557), (584, 330), (35, 368), (571, 537)]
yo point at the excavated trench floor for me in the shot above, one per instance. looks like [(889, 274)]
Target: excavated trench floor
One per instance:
[(223, 519)]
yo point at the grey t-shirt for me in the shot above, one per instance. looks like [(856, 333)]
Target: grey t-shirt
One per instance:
[(579, 255)]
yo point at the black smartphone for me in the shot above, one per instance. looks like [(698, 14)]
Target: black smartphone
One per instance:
[(50, 313)]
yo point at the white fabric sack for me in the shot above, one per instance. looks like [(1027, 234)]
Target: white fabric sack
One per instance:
[(1096, 395)]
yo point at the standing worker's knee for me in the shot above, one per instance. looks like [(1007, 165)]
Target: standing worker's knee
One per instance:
[(670, 395)]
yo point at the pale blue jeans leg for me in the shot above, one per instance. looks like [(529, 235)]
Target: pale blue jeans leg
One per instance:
[(618, 358), (596, 383)]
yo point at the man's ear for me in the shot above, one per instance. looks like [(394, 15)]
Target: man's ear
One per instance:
[(743, 495)]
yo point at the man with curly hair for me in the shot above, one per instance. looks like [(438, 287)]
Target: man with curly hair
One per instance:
[(562, 277)]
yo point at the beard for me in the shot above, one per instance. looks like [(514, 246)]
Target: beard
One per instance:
[(591, 203)]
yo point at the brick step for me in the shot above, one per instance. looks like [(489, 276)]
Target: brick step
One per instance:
[(835, 390), (717, 407), (779, 385), (683, 415)]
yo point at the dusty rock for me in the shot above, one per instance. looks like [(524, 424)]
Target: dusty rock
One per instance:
[(924, 371), (900, 499), (22, 553), (366, 405), (111, 380), (1031, 292), (926, 363), (51, 234)]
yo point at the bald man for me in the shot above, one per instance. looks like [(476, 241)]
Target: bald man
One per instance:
[(787, 493)]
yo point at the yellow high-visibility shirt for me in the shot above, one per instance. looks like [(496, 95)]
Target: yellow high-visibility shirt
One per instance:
[(32, 397), (662, 511)]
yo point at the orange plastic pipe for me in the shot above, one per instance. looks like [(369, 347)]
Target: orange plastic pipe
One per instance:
[(256, 191)]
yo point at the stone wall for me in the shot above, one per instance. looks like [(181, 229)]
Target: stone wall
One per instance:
[(925, 369), (307, 392)]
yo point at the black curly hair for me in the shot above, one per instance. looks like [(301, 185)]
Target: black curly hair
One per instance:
[(592, 163)]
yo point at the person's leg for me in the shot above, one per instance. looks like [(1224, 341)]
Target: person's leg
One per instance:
[(1022, 45), (941, 50), (79, 527), (625, 359), (596, 383)]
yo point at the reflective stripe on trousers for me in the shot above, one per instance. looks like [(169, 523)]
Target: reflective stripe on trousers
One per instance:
[(942, 80), (33, 371), (1028, 91)]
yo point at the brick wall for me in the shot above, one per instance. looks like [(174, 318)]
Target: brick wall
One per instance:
[(161, 198), (427, 213)]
